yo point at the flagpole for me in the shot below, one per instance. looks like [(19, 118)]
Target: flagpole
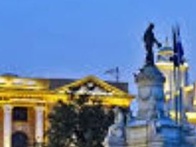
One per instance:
[(181, 101), (180, 61), (179, 95), (175, 71), (177, 62), (117, 74), (175, 94), (176, 75)]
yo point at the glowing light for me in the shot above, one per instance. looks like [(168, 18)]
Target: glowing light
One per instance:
[(31, 83), (18, 81), (2, 80)]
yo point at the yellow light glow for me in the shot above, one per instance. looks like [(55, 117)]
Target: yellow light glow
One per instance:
[(17, 81), (191, 116), (31, 82)]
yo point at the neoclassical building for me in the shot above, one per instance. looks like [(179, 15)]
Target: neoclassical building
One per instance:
[(26, 103), (165, 65)]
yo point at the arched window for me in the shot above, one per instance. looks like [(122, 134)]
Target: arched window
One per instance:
[(19, 139)]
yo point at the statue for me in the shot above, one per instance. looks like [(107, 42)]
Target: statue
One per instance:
[(149, 41), (118, 116), (116, 131)]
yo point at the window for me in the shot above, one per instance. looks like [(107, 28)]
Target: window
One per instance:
[(31, 83), (20, 114), (17, 81)]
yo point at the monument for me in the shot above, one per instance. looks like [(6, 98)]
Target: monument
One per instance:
[(149, 123)]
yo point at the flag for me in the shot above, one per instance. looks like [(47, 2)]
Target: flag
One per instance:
[(177, 48), (114, 72)]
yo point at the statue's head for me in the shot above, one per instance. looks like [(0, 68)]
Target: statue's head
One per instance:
[(151, 26)]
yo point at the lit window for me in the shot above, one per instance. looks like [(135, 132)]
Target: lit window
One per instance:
[(31, 82), (17, 81)]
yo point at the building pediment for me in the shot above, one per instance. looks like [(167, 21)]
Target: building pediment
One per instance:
[(91, 85)]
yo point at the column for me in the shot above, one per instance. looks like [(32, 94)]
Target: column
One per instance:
[(7, 128), (39, 124)]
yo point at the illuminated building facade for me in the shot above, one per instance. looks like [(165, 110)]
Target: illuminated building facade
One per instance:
[(26, 103), (165, 65)]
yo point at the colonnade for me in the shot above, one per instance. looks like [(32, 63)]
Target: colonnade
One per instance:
[(7, 124)]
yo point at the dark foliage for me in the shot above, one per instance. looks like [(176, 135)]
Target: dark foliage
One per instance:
[(79, 124), (63, 120)]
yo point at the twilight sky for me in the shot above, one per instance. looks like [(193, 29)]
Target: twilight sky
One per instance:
[(76, 38)]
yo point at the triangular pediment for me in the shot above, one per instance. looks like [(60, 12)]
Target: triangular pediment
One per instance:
[(91, 85)]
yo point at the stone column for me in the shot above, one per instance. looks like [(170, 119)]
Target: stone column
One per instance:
[(7, 128), (39, 124)]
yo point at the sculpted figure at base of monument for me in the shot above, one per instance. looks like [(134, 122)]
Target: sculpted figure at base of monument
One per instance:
[(116, 136)]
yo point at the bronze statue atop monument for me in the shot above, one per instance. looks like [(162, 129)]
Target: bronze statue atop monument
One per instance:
[(149, 40)]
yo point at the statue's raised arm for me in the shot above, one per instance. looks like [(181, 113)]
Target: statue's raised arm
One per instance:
[(149, 40)]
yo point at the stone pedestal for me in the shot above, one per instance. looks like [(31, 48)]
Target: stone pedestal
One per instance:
[(151, 126), (137, 135), (158, 133)]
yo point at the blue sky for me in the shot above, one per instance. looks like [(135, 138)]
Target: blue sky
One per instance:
[(75, 38)]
